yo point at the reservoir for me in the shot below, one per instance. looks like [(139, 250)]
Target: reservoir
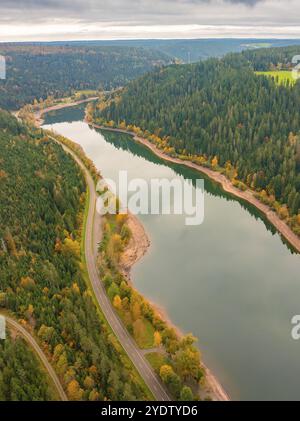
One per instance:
[(232, 281)]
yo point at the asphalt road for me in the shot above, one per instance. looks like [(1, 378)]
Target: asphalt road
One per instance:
[(29, 339), (135, 354)]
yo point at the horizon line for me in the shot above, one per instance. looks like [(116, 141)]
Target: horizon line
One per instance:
[(279, 38)]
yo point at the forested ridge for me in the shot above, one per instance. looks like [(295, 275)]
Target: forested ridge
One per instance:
[(39, 71), (42, 194), (219, 113), (272, 58)]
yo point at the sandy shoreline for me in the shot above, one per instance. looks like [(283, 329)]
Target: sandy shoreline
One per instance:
[(226, 184), (137, 246)]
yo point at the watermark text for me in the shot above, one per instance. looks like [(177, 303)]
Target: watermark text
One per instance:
[(155, 197)]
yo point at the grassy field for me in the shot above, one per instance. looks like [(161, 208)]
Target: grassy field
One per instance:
[(156, 360), (258, 45), (281, 77), (143, 333)]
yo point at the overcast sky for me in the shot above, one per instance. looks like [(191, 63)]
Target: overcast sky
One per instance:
[(27, 20)]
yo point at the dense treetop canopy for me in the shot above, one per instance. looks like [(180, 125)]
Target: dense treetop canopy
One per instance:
[(42, 195), (36, 71)]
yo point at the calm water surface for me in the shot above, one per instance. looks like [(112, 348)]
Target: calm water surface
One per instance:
[(232, 281)]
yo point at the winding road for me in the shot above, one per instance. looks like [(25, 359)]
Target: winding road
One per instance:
[(32, 342), (92, 233)]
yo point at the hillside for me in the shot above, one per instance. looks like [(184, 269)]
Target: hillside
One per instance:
[(272, 58), (38, 71), (42, 275), (226, 116)]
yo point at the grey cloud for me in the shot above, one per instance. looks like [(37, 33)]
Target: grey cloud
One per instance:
[(99, 13), (98, 4), (247, 2)]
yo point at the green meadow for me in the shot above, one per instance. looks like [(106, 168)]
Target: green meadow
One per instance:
[(281, 77)]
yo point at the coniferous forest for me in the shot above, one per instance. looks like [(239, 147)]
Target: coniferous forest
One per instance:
[(21, 376), (35, 72), (42, 194), (220, 110), (224, 112), (149, 206)]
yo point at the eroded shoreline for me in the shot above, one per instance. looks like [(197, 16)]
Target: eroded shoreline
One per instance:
[(226, 184), (137, 246)]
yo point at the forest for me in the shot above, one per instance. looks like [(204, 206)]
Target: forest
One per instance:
[(186, 50), (21, 375), (272, 58), (39, 71), (220, 114), (43, 278)]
